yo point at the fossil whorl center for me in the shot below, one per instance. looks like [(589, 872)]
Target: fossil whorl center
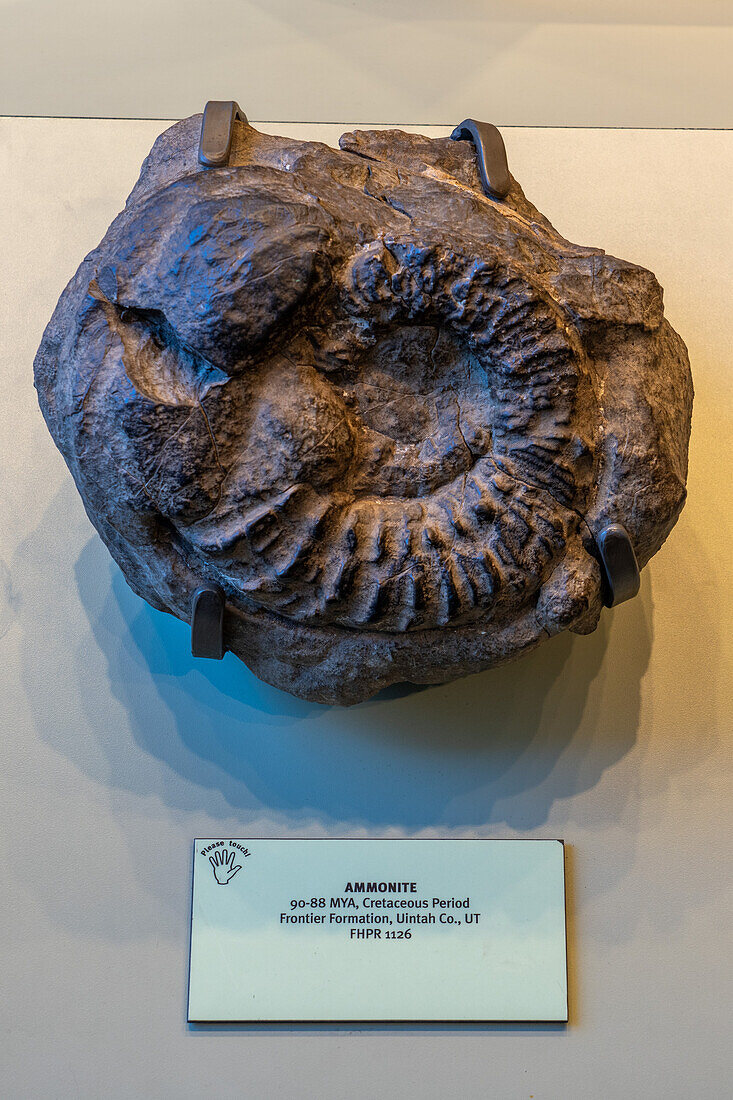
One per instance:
[(387, 415)]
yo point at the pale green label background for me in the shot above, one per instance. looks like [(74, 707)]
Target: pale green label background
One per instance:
[(283, 938)]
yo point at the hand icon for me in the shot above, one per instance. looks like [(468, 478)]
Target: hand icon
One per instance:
[(222, 862)]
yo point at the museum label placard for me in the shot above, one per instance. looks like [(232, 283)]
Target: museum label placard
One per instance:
[(378, 930)]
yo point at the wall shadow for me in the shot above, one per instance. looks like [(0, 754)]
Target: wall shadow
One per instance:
[(489, 748), (501, 748)]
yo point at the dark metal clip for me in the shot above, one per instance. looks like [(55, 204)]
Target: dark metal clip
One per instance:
[(207, 623), (619, 564), (217, 130), (490, 154)]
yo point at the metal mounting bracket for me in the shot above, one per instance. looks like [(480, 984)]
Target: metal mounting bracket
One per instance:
[(493, 169), (619, 564), (217, 130), (207, 623)]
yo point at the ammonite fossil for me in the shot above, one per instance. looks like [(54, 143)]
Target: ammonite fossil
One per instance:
[(388, 416)]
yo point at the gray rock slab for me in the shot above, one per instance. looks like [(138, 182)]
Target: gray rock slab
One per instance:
[(386, 414)]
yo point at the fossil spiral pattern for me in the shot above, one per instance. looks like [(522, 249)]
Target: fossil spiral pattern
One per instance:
[(386, 414)]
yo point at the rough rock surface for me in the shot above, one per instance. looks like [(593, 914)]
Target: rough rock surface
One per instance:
[(386, 414)]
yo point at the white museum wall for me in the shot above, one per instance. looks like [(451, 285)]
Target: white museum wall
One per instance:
[(118, 748), (515, 62)]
